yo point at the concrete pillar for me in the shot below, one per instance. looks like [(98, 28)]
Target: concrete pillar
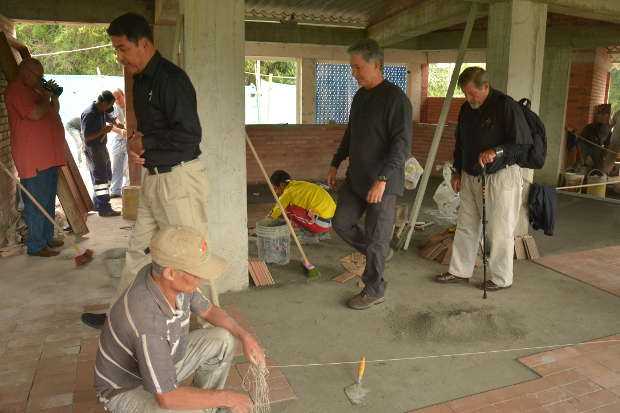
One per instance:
[(515, 52), (307, 84), (164, 36), (213, 37), (553, 102), (414, 88)]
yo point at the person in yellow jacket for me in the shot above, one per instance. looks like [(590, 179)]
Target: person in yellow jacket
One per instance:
[(307, 205)]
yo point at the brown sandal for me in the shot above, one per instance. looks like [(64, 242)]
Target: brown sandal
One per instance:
[(447, 278)]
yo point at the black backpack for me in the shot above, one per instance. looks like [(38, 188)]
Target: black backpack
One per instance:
[(535, 158)]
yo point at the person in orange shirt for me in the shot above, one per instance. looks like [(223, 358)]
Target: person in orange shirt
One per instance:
[(38, 150)]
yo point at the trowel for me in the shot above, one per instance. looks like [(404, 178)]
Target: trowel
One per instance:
[(356, 392)]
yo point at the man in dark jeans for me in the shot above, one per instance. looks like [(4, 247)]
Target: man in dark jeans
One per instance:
[(377, 141)]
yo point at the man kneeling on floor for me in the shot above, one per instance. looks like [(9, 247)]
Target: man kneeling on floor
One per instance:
[(308, 206), (492, 132), (146, 350)]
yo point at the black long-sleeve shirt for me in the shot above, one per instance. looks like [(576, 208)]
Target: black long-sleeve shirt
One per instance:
[(499, 122), (377, 140), (166, 111)]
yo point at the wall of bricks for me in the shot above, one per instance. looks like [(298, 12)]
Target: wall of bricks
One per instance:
[(431, 109), (588, 86), (305, 151), (7, 185)]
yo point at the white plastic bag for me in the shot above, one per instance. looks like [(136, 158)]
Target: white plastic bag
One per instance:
[(446, 199), (413, 173)]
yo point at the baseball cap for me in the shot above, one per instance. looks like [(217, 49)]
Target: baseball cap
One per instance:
[(185, 249)]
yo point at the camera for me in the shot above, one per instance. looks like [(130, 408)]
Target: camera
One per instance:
[(51, 86)]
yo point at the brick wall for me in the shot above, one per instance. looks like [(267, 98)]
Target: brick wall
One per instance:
[(587, 87), (432, 108), (305, 151), (7, 186)]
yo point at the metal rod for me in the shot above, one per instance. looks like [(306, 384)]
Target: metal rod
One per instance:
[(430, 160)]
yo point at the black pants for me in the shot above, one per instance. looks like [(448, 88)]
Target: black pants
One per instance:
[(98, 160), (373, 240)]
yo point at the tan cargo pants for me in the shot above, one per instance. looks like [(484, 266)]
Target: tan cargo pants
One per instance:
[(503, 200), (178, 197)]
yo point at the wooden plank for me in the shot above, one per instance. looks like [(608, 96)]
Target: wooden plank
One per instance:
[(78, 182), (74, 215), (531, 247), (260, 273), (344, 277), (520, 253), (354, 263)]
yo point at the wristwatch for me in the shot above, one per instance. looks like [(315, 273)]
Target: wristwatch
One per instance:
[(499, 151), (382, 178)]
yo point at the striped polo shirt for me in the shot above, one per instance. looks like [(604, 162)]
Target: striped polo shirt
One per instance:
[(143, 338)]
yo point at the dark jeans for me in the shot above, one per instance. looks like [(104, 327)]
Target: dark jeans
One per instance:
[(43, 188), (373, 240), (98, 160)]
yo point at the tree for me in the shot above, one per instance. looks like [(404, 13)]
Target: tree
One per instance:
[(286, 68), (49, 38), (614, 90), (439, 78)]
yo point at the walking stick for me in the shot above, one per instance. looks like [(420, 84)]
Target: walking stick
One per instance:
[(484, 232)]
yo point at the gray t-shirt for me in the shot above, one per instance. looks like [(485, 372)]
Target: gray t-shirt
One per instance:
[(143, 338)]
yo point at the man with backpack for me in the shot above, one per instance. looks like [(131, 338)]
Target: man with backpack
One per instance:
[(492, 133)]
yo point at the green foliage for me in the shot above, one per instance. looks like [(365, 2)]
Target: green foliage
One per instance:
[(439, 78), (48, 38), (614, 90), (276, 67)]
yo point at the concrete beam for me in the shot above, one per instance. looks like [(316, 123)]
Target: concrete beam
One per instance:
[(605, 10), (74, 11), (582, 37), (427, 17), (444, 41), (288, 33)]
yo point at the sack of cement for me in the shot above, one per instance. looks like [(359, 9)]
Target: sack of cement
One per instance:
[(446, 199), (413, 173)]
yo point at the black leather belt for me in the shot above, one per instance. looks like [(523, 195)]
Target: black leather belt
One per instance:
[(154, 170)]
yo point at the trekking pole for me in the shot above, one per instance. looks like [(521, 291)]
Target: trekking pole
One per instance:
[(484, 232)]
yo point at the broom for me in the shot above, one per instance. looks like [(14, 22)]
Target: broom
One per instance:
[(311, 270), (81, 258)]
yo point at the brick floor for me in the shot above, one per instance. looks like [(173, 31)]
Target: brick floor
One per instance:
[(583, 378), (598, 267), (47, 369)]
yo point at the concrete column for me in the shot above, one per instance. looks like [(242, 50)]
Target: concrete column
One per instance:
[(308, 90), (214, 55), (414, 88), (515, 52), (553, 102), (164, 36)]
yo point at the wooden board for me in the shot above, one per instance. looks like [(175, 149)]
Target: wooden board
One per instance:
[(530, 247), (344, 277), (259, 273), (73, 209), (354, 263)]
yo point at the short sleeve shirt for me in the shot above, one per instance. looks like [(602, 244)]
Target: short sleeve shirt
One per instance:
[(36, 145), (144, 337), (92, 121)]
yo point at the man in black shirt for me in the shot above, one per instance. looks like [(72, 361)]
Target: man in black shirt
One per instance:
[(166, 143), (492, 132), (377, 141), (95, 122), (598, 132)]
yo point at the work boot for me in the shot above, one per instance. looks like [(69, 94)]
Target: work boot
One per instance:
[(46, 252), (491, 286), (363, 300), (110, 213), (447, 278), (55, 243), (94, 320)]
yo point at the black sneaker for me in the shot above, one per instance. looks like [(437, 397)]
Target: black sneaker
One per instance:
[(94, 320), (491, 286)]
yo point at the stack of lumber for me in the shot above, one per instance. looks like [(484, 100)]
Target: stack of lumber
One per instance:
[(259, 273), (354, 265), (438, 247), (526, 248)]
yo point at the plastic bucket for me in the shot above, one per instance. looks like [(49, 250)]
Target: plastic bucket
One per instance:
[(274, 242), (598, 190), (573, 179)]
